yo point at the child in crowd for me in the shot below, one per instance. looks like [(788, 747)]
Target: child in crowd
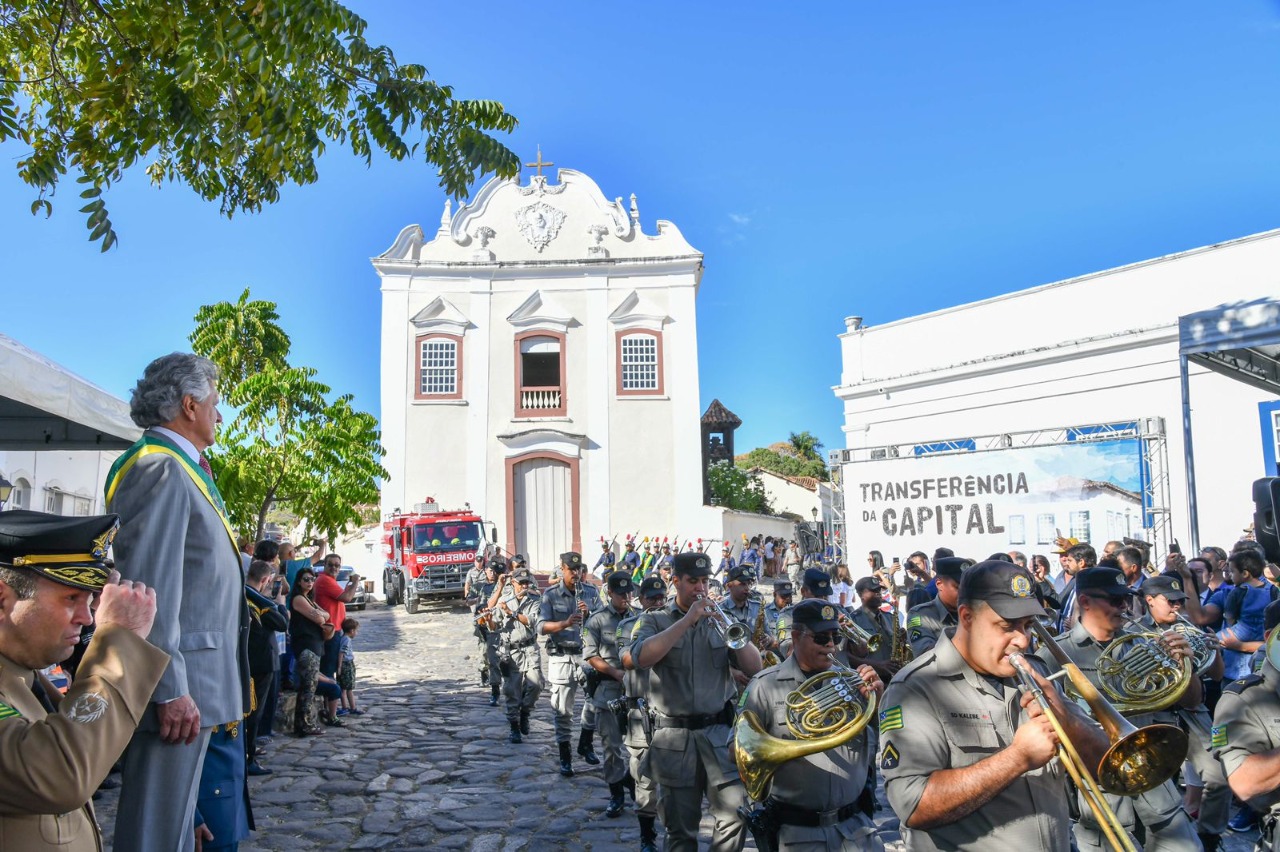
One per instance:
[(347, 670)]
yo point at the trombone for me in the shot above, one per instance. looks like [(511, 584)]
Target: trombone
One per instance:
[(733, 632), (1075, 765)]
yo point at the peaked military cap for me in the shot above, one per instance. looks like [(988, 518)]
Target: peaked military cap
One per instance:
[(571, 558), (1104, 580), (70, 551), (691, 564), (951, 566), (652, 586), (522, 576), (817, 615), (817, 581), (745, 573), (1005, 587), (620, 583), (783, 587), (1170, 587)]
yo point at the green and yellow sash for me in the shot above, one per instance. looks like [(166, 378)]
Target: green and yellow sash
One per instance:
[(151, 445)]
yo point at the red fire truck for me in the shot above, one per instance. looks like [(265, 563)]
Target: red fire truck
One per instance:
[(427, 552)]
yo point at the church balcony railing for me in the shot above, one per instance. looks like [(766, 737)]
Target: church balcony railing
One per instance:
[(541, 400)]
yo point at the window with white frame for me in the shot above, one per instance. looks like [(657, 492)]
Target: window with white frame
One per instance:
[(1080, 526), (1046, 529), (639, 359), (1017, 529), (439, 367), (21, 497)]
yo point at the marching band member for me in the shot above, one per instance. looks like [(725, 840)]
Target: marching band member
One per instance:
[(1102, 603), (564, 608), (814, 800), (600, 650), (691, 692), (653, 596), (926, 621), (519, 661), (967, 758)]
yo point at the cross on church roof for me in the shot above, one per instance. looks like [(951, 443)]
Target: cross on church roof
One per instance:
[(539, 164)]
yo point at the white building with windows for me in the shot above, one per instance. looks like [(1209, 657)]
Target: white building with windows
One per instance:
[(540, 364), (1027, 381)]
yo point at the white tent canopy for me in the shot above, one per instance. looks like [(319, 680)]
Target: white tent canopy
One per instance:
[(44, 406)]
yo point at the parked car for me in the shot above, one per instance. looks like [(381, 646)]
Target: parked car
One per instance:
[(361, 600)]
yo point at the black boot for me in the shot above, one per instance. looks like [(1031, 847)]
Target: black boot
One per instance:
[(648, 834), (566, 762), (524, 720), (1210, 842), (493, 696), (585, 750), (630, 784), (515, 733), (616, 795)]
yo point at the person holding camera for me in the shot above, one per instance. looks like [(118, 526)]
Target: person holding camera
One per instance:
[(333, 599)]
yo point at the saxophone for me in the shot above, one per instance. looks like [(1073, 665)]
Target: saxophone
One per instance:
[(900, 651), (767, 658)]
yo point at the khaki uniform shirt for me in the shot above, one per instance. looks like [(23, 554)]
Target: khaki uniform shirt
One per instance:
[(1247, 722), (941, 714), (634, 685), (53, 763), (824, 781), (876, 622), (925, 622), (747, 613), (519, 643), (601, 640), (558, 604)]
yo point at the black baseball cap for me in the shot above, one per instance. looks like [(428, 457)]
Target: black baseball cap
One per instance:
[(1170, 587), (867, 584), (816, 581), (652, 586), (1005, 587), (942, 553), (691, 564), (1102, 580), (620, 583), (783, 587), (571, 558), (745, 573), (816, 615), (523, 577), (951, 566)]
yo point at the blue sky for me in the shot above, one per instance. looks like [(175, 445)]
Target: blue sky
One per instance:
[(829, 159)]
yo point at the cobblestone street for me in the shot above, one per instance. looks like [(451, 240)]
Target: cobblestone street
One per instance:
[(429, 767)]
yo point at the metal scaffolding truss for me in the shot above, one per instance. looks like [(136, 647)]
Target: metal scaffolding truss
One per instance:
[(1149, 431)]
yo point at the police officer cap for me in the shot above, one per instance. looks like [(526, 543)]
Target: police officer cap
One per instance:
[(784, 588), (816, 615), (943, 553), (572, 559), (70, 551), (867, 584), (818, 582), (652, 586), (1170, 587), (691, 564), (619, 582), (1005, 587), (999, 557), (1102, 580), (951, 566), (745, 573), (518, 559), (498, 564), (522, 576)]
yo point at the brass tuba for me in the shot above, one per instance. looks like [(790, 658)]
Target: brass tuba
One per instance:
[(824, 712), (1138, 675)]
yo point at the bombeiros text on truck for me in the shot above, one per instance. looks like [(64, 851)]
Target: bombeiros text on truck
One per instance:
[(427, 552)]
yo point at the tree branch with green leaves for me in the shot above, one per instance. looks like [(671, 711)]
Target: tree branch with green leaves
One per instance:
[(234, 99)]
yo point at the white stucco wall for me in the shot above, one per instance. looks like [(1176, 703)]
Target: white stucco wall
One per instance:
[(1101, 348), (78, 476), (483, 277)]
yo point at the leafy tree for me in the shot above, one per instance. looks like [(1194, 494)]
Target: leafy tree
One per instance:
[(782, 463), (805, 445), (735, 488), (288, 444), (234, 99)]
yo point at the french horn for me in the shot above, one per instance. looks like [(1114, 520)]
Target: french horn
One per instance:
[(1139, 675)]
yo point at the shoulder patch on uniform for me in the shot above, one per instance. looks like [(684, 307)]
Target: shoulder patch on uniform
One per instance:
[(917, 633), (1239, 686), (913, 621), (6, 711), (87, 708), (889, 757), (890, 719), (1218, 736)]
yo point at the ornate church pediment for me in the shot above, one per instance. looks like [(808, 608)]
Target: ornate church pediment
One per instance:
[(539, 311), (441, 315), (638, 311)]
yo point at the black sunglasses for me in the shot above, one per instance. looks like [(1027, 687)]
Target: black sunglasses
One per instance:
[(827, 637), (306, 578)]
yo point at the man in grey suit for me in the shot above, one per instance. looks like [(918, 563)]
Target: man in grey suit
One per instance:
[(174, 536)]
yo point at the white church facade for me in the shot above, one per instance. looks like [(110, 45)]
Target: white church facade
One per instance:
[(540, 364), (1076, 378)]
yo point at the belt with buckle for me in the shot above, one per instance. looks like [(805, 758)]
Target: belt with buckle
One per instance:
[(792, 815)]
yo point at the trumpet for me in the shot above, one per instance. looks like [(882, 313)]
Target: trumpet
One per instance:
[(1139, 759), (733, 632), (824, 712), (850, 630)]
